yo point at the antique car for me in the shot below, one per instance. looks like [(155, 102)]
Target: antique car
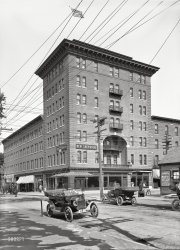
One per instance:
[(69, 201), (121, 195)]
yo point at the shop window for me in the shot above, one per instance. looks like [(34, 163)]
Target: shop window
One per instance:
[(175, 175)]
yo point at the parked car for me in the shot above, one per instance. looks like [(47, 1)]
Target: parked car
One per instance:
[(68, 202)]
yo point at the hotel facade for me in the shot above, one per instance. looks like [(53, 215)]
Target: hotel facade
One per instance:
[(82, 83)]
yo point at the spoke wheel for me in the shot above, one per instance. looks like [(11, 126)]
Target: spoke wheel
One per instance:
[(119, 201), (176, 204), (68, 214), (49, 211), (94, 210)]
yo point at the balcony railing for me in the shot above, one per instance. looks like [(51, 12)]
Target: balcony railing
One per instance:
[(116, 92), (115, 109), (116, 126)]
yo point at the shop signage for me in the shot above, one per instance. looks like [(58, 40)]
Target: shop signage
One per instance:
[(165, 178), (86, 146)]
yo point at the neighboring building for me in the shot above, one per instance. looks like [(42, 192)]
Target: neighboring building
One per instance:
[(166, 136), (23, 155), (80, 83), (170, 170)]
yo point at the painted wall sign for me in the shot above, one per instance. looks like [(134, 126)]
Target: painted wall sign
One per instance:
[(86, 146), (165, 178)]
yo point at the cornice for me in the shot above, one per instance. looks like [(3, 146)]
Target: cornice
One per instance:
[(94, 53)]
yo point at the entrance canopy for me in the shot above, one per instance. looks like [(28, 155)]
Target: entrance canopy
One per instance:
[(73, 173), (25, 179)]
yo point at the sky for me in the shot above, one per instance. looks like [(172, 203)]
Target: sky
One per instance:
[(30, 29)]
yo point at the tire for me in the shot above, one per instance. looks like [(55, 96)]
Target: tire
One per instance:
[(68, 214), (133, 201), (148, 192), (49, 211), (94, 210), (119, 201), (176, 204)]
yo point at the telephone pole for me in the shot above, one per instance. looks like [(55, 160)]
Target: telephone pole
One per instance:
[(100, 122)]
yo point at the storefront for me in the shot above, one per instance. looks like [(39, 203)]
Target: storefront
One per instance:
[(26, 183)]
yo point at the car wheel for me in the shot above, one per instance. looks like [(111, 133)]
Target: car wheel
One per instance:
[(49, 211), (68, 214), (133, 201), (119, 201), (94, 210), (148, 192), (176, 204)]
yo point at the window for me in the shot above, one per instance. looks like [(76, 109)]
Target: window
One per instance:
[(96, 102), (111, 87), (132, 141), (78, 156), (78, 81), (140, 94), (111, 71), (176, 131), (96, 157), (144, 126), (79, 135), (144, 95), (140, 109), (131, 92), (156, 160), (143, 79), (84, 82), (130, 76), (176, 175), (166, 130), (156, 143), (117, 88), (78, 99), (96, 66), (117, 105), (78, 118), (156, 128), (84, 100), (145, 141), (131, 124), (138, 78), (84, 157), (83, 64), (115, 159), (145, 159), (78, 62), (116, 72), (144, 110), (84, 118), (140, 125), (131, 108), (95, 84), (132, 159), (140, 141), (84, 136), (140, 159)]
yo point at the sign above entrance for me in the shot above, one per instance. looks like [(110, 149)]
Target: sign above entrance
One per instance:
[(86, 146)]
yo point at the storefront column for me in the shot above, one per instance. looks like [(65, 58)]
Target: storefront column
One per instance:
[(71, 182), (56, 183), (44, 182), (129, 179), (150, 180)]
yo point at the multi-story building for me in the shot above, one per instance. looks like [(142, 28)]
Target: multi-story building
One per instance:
[(82, 82), (24, 155), (166, 136)]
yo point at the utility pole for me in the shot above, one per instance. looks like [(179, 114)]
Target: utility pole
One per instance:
[(100, 122), (167, 143)]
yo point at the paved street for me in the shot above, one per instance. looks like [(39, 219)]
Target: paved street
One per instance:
[(151, 224)]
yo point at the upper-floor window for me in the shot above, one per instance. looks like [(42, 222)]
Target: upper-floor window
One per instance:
[(78, 118), (145, 159), (116, 72), (176, 131), (143, 79), (111, 71), (140, 141), (78, 62), (117, 88), (140, 159), (130, 76), (84, 99), (132, 141), (166, 130), (96, 66), (84, 160), (144, 95), (131, 92), (83, 63), (84, 136), (96, 84), (144, 126), (131, 108), (96, 102), (140, 109), (78, 99), (140, 125), (78, 156), (156, 128), (131, 124), (84, 82), (84, 118), (79, 135), (78, 81), (156, 143), (140, 94), (144, 110)]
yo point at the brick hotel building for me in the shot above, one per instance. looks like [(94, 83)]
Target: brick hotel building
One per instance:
[(82, 82)]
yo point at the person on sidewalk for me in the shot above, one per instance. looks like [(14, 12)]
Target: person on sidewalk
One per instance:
[(178, 189)]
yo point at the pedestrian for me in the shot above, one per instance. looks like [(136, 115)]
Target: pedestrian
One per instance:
[(178, 189), (40, 188)]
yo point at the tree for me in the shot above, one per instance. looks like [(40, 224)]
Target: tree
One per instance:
[(2, 103)]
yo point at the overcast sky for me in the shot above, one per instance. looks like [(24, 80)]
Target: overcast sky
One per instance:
[(26, 24)]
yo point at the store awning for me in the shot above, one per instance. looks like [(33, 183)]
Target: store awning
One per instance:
[(25, 179), (73, 173)]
